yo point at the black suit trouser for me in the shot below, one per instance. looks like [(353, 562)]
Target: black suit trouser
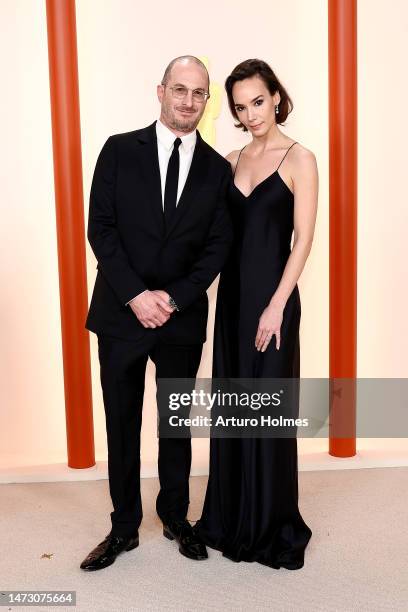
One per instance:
[(122, 370)]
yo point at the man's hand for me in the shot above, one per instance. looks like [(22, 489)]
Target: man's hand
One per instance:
[(151, 308), (164, 296)]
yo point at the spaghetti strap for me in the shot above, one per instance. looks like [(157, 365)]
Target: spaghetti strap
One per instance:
[(287, 151), (236, 165)]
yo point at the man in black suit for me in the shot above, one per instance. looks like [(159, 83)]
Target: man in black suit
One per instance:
[(160, 231)]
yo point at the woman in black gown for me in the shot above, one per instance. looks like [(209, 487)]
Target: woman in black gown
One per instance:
[(251, 506)]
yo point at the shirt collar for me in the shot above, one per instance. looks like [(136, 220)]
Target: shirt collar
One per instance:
[(167, 138)]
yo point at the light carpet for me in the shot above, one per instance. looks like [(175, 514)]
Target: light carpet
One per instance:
[(357, 558)]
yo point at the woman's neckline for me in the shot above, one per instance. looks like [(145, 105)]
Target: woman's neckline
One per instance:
[(261, 183)]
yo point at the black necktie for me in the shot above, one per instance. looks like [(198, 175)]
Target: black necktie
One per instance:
[(170, 191)]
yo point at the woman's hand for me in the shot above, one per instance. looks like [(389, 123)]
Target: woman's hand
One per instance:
[(269, 324)]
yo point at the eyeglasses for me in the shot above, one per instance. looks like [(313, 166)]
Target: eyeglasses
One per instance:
[(180, 92)]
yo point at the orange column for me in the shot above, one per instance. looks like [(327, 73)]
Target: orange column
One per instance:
[(66, 139), (342, 28)]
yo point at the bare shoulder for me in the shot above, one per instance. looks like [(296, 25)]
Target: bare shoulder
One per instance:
[(303, 159), (233, 158), (303, 170)]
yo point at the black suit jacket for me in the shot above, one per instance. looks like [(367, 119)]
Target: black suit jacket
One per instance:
[(136, 251)]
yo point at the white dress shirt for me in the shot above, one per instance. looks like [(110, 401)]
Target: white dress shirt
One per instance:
[(165, 145), (165, 142)]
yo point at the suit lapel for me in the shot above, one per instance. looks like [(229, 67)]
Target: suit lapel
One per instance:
[(195, 180), (149, 162)]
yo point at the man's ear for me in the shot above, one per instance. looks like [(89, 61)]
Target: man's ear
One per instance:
[(160, 92)]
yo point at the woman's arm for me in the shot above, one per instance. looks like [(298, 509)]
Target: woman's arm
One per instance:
[(306, 185), (305, 181)]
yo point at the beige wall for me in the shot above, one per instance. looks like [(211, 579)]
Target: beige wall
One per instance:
[(31, 385), (122, 54), (383, 203)]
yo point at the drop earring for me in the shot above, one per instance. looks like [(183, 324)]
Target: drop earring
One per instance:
[(277, 109)]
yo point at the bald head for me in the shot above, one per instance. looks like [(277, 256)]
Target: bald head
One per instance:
[(185, 60), (181, 113)]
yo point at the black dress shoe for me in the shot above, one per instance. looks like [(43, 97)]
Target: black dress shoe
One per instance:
[(107, 551), (190, 543)]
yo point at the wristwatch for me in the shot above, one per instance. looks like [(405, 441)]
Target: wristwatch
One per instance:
[(173, 304)]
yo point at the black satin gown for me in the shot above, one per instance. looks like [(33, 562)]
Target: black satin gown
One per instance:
[(251, 509)]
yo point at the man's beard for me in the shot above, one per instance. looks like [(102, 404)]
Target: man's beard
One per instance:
[(184, 126), (181, 125)]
